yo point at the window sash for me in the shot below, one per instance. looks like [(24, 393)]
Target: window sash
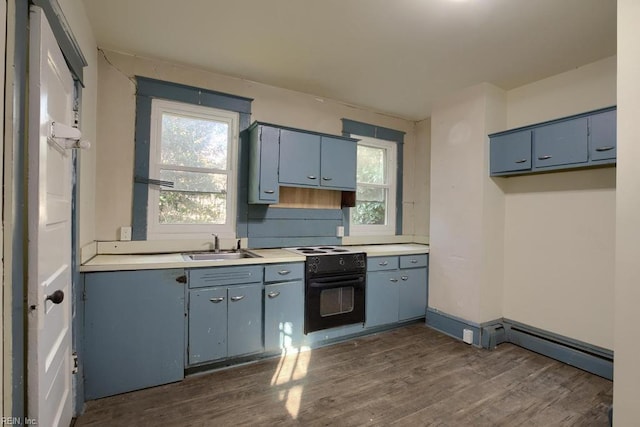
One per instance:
[(157, 229), (389, 227)]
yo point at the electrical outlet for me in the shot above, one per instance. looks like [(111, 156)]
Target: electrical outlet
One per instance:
[(125, 233), (467, 336), (340, 231)]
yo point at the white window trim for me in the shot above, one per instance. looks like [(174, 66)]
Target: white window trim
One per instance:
[(389, 228), (155, 230)]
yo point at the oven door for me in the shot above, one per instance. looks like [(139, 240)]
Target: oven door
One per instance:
[(334, 301)]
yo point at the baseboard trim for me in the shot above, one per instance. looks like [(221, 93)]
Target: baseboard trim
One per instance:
[(489, 335), (452, 325)]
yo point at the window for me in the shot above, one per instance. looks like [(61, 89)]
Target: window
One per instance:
[(375, 210), (194, 148)]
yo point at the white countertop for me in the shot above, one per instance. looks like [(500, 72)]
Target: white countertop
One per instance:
[(116, 262)]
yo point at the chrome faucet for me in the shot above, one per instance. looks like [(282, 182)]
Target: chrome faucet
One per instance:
[(216, 243)]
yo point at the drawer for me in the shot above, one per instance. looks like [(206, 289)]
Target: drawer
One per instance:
[(283, 272), (382, 263), (223, 276), (411, 261)]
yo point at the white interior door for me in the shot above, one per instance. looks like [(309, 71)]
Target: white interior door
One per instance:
[(49, 362)]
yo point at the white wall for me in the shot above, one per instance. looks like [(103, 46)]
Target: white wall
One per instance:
[(467, 207), (560, 227), (75, 14), (116, 110), (626, 381)]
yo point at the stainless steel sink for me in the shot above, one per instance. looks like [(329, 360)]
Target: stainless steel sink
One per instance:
[(219, 256)]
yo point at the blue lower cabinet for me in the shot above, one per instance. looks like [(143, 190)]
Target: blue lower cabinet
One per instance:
[(283, 315), (224, 322), (396, 294), (413, 293), (133, 330), (207, 324), (382, 298), (244, 327)]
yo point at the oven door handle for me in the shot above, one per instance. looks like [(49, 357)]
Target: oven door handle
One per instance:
[(337, 283)]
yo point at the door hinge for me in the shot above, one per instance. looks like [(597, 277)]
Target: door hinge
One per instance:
[(74, 357)]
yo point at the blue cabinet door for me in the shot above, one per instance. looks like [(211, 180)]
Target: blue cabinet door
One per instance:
[(283, 315), (264, 146), (244, 327), (299, 158), (602, 136), (382, 298), (207, 324), (510, 152), (338, 163), (561, 143), (413, 293), (133, 330)]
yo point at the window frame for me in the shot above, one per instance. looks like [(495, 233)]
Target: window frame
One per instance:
[(156, 230), (148, 89), (391, 166)]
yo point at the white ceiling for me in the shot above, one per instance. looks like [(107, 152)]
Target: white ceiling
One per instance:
[(392, 56)]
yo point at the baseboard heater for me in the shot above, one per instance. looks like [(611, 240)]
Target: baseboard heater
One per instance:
[(594, 359)]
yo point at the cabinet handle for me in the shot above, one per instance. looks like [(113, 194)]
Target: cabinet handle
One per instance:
[(273, 294), (520, 161), (544, 157), (311, 177), (383, 263), (405, 278), (284, 272), (393, 279), (611, 147), (238, 298), (414, 261), (181, 279), (324, 178), (269, 191), (216, 300)]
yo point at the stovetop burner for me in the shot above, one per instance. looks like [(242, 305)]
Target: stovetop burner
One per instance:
[(321, 250)]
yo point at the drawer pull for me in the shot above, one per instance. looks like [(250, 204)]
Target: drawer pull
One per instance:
[(611, 147), (383, 263), (324, 178), (181, 279), (393, 279), (544, 157), (311, 177), (405, 278), (238, 298), (216, 300), (269, 191), (414, 261), (284, 272), (521, 161), (273, 294)]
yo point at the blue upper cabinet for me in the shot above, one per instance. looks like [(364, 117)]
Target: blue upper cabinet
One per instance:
[(338, 159), (299, 158), (602, 137), (563, 143), (264, 148), (281, 156), (511, 152), (583, 140)]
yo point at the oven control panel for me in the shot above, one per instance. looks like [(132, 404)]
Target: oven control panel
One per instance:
[(336, 263)]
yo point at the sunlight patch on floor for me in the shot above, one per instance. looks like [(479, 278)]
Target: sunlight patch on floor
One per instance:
[(292, 368)]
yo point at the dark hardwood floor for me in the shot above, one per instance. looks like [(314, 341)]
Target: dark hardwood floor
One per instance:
[(408, 376)]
